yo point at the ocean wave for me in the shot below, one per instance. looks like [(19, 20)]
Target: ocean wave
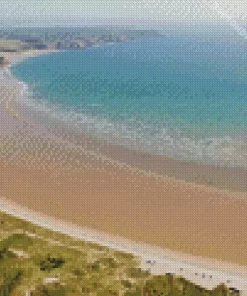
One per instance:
[(158, 140)]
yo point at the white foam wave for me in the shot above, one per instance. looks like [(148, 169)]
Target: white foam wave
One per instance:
[(159, 140)]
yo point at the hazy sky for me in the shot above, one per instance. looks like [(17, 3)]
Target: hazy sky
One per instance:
[(160, 10)]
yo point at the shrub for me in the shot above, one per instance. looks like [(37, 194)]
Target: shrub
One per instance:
[(50, 263)]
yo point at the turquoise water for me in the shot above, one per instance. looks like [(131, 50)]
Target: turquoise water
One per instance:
[(172, 96)]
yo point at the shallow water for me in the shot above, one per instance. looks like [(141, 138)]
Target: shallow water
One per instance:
[(179, 97)]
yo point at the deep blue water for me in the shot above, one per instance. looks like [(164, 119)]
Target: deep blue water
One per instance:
[(173, 96)]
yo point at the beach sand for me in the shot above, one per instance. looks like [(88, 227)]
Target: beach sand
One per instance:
[(121, 192)]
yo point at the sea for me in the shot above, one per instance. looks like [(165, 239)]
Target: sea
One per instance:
[(182, 97)]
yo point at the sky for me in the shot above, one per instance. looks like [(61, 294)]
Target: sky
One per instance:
[(21, 11)]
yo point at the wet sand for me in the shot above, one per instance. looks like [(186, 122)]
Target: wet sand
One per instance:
[(88, 183)]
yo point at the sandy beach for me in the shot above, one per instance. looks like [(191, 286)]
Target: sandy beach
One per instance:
[(189, 208)]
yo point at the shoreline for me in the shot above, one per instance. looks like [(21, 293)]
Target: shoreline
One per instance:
[(224, 178), (133, 187)]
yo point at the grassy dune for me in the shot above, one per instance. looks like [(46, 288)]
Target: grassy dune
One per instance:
[(37, 262)]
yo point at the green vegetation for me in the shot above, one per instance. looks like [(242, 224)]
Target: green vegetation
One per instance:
[(38, 262), (12, 46)]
